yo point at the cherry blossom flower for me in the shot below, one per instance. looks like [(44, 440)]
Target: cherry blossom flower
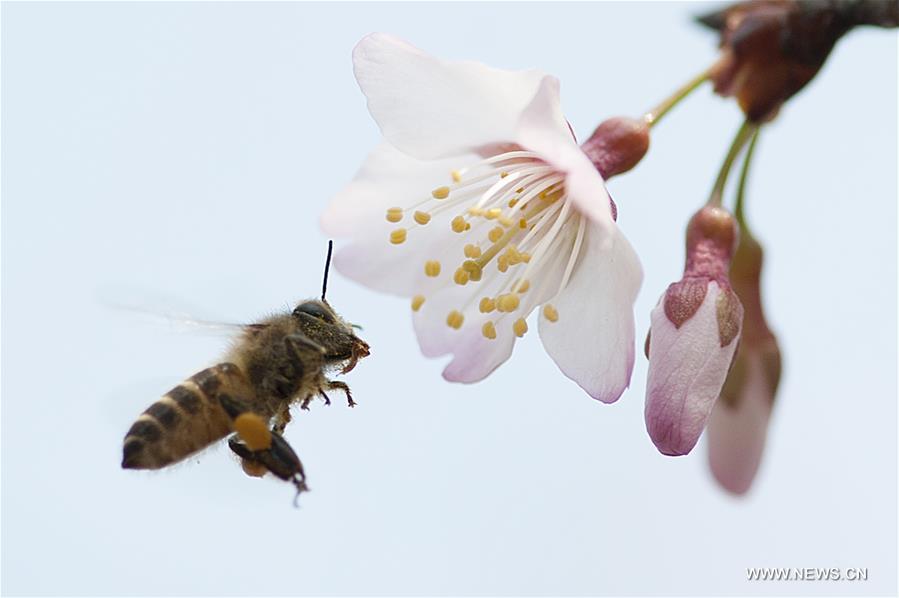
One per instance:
[(695, 330), (480, 206)]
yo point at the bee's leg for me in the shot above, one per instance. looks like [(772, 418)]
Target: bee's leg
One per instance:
[(324, 396), (342, 386), (280, 459), (282, 418)]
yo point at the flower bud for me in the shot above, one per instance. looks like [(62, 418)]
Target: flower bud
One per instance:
[(695, 330), (739, 422), (771, 49), (617, 145)]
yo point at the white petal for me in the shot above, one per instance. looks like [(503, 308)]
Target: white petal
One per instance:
[(388, 178), (736, 435), (687, 368), (593, 340), (433, 108), (544, 130)]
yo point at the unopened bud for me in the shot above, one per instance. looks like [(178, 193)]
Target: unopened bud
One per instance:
[(617, 145)]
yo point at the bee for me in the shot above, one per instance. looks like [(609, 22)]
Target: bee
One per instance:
[(274, 364)]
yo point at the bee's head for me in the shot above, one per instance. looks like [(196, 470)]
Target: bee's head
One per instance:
[(316, 320)]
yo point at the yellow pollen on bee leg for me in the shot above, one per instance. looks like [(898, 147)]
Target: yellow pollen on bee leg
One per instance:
[(394, 214), (253, 430), (457, 176), (495, 234), (422, 217), (455, 319), (440, 193), (417, 302), (398, 236), (461, 277), (458, 224), (487, 305), (472, 251), (432, 268), (508, 302), (520, 327), (488, 330), (550, 313)]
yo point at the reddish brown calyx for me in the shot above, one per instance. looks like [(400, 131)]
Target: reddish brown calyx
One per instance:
[(617, 145), (772, 48)]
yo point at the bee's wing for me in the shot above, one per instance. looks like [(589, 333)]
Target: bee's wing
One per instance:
[(182, 322)]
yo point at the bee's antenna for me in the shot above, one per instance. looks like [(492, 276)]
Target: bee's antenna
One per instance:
[(327, 267)]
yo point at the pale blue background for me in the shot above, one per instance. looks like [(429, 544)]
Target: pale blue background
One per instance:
[(180, 154)]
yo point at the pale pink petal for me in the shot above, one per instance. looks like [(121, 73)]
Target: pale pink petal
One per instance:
[(687, 368), (388, 178), (479, 356), (543, 130), (737, 433), (593, 340), (432, 108)]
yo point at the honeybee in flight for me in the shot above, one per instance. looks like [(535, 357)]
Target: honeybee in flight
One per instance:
[(275, 363)]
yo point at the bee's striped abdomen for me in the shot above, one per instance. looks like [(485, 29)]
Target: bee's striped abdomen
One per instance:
[(188, 418)]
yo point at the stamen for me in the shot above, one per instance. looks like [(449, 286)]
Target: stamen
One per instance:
[(521, 286), (398, 236), (417, 302), (432, 268), (440, 193), (487, 305), (502, 263), (550, 313), (493, 213), (457, 176), (473, 269), (394, 214), (507, 302), (422, 217), (520, 327), (459, 224), (472, 251), (455, 319), (495, 234), (489, 330), (461, 277)]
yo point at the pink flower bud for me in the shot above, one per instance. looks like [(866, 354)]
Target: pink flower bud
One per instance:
[(695, 330), (617, 145), (739, 421)]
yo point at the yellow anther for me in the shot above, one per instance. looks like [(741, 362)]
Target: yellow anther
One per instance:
[(472, 251), (507, 222), (508, 302), (526, 257), (461, 276), (487, 305), (440, 193), (489, 330), (417, 302), (513, 255), (550, 313), (422, 217), (398, 236), (253, 430), (503, 175), (493, 213), (394, 214), (513, 202), (522, 224), (502, 262), (519, 190), (454, 319), (457, 176), (495, 234), (467, 226), (476, 211), (458, 224), (473, 269), (520, 327), (432, 268), (521, 286)]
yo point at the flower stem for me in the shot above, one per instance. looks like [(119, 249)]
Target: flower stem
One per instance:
[(743, 135), (656, 114), (741, 187)]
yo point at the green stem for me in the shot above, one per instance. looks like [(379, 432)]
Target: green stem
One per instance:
[(746, 131), (656, 114), (741, 187)]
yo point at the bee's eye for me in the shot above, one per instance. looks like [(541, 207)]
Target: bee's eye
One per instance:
[(314, 309)]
